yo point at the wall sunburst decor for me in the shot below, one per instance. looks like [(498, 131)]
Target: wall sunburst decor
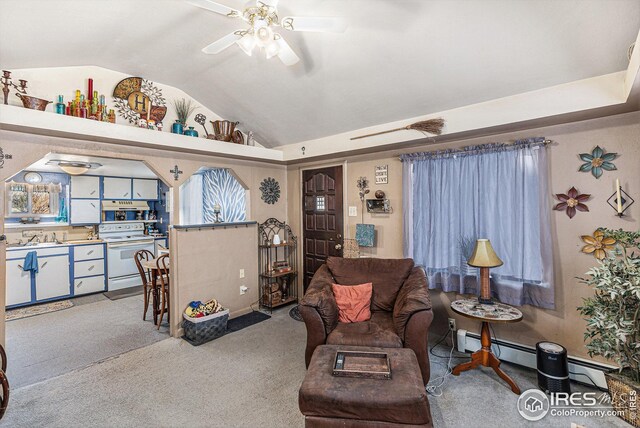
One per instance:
[(270, 190)]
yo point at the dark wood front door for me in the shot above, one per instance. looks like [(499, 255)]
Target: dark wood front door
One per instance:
[(322, 217)]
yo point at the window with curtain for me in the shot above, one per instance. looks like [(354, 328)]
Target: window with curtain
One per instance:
[(209, 189), (495, 191)]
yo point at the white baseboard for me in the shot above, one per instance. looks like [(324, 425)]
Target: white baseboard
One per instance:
[(526, 356)]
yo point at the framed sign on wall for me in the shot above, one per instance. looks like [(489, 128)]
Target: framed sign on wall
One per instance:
[(382, 176)]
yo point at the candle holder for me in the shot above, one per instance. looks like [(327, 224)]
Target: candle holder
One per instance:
[(6, 83), (625, 202)]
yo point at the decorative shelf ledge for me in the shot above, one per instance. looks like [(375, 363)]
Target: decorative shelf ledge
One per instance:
[(187, 227), (34, 225), (19, 119)]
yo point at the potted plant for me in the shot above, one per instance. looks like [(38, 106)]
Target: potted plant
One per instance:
[(613, 320), (184, 109)]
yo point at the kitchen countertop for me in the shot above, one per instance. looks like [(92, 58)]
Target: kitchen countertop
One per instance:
[(12, 247)]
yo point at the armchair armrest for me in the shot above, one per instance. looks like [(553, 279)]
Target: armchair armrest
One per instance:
[(319, 296), (413, 297)]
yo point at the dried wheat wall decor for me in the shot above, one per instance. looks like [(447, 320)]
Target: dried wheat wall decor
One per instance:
[(430, 126)]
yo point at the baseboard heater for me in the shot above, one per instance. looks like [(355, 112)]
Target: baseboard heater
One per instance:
[(525, 356)]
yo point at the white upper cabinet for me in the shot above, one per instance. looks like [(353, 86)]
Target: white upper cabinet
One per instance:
[(145, 189), (84, 186), (117, 188), (85, 211)]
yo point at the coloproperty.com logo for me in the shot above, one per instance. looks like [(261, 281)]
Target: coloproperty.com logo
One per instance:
[(533, 404)]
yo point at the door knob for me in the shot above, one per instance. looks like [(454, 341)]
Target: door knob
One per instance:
[(338, 246), (338, 236)]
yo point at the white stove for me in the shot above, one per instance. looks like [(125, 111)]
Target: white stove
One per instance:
[(123, 241)]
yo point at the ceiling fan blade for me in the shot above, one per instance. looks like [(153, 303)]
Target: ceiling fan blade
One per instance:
[(216, 7), (270, 3), (223, 43), (303, 23), (285, 53)]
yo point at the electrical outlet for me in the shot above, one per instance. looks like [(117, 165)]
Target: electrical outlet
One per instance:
[(452, 324), (241, 273), (353, 211), (243, 289)]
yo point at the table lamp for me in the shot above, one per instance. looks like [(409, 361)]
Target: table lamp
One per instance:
[(484, 258)]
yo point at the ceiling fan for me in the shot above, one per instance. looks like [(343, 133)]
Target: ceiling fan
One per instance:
[(264, 22)]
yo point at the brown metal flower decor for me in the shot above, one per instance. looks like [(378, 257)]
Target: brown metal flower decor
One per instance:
[(572, 202), (597, 162), (598, 244)]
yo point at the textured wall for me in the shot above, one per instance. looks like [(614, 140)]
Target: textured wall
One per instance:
[(616, 134)]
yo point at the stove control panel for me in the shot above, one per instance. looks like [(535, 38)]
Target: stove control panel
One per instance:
[(109, 228)]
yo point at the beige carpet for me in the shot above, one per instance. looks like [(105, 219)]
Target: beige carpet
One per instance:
[(246, 379)]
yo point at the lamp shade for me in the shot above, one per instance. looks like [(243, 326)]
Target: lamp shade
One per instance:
[(483, 255)]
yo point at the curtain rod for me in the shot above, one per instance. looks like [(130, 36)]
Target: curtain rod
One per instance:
[(478, 148)]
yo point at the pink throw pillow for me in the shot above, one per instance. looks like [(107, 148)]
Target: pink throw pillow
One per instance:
[(354, 302)]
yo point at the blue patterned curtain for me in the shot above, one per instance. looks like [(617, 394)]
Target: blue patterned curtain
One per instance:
[(219, 186), (495, 191)]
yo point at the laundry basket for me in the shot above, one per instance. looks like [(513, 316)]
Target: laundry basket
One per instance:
[(201, 330)]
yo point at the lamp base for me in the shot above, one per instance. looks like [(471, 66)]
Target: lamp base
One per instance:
[(485, 301)]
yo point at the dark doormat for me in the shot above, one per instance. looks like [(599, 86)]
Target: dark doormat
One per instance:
[(237, 324), (295, 313), (245, 321), (124, 293)]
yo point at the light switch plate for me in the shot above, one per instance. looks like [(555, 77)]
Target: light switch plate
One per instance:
[(353, 211), (241, 273)]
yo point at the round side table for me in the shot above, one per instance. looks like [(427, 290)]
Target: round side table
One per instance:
[(495, 313)]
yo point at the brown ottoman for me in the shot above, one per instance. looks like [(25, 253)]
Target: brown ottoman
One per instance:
[(328, 401)]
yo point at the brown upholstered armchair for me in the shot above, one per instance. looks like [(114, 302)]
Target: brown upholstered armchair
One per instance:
[(400, 307)]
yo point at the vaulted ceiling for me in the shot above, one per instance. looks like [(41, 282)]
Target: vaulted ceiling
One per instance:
[(398, 59)]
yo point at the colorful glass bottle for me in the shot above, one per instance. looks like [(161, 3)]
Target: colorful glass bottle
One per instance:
[(60, 107)]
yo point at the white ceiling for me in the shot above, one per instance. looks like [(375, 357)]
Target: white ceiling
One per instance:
[(398, 59), (110, 167)]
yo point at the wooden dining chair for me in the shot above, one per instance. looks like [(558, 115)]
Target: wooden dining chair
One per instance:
[(163, 276), (4, 384), (145, 276)]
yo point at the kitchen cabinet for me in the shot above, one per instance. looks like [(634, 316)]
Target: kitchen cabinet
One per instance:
[(52, 279), (88, 252), (85, 187), (92, 284), (145, 189), (18, 283), (84, 211), (116, 188), (88, 268)]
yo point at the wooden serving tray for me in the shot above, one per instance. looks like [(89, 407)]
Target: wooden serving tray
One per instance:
[(362, 364)]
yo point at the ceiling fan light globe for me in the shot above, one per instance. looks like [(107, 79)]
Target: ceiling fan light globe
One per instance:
[(272, 49), (264, 35), (247, 43)]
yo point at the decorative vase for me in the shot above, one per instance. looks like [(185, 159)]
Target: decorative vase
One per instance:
[(191, 132), (177, 127)]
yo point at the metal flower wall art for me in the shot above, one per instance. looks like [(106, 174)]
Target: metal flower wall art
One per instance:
[(571, 202), (598, 244), (597, 162)]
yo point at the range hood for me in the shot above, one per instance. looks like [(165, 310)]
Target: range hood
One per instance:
[(125, 206)]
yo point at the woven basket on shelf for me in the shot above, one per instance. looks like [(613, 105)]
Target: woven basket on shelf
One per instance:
[(625, 398)]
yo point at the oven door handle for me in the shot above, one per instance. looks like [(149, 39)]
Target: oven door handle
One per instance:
[(130, 244)]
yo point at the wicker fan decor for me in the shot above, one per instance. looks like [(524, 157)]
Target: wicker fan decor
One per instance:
[(430, 126)]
